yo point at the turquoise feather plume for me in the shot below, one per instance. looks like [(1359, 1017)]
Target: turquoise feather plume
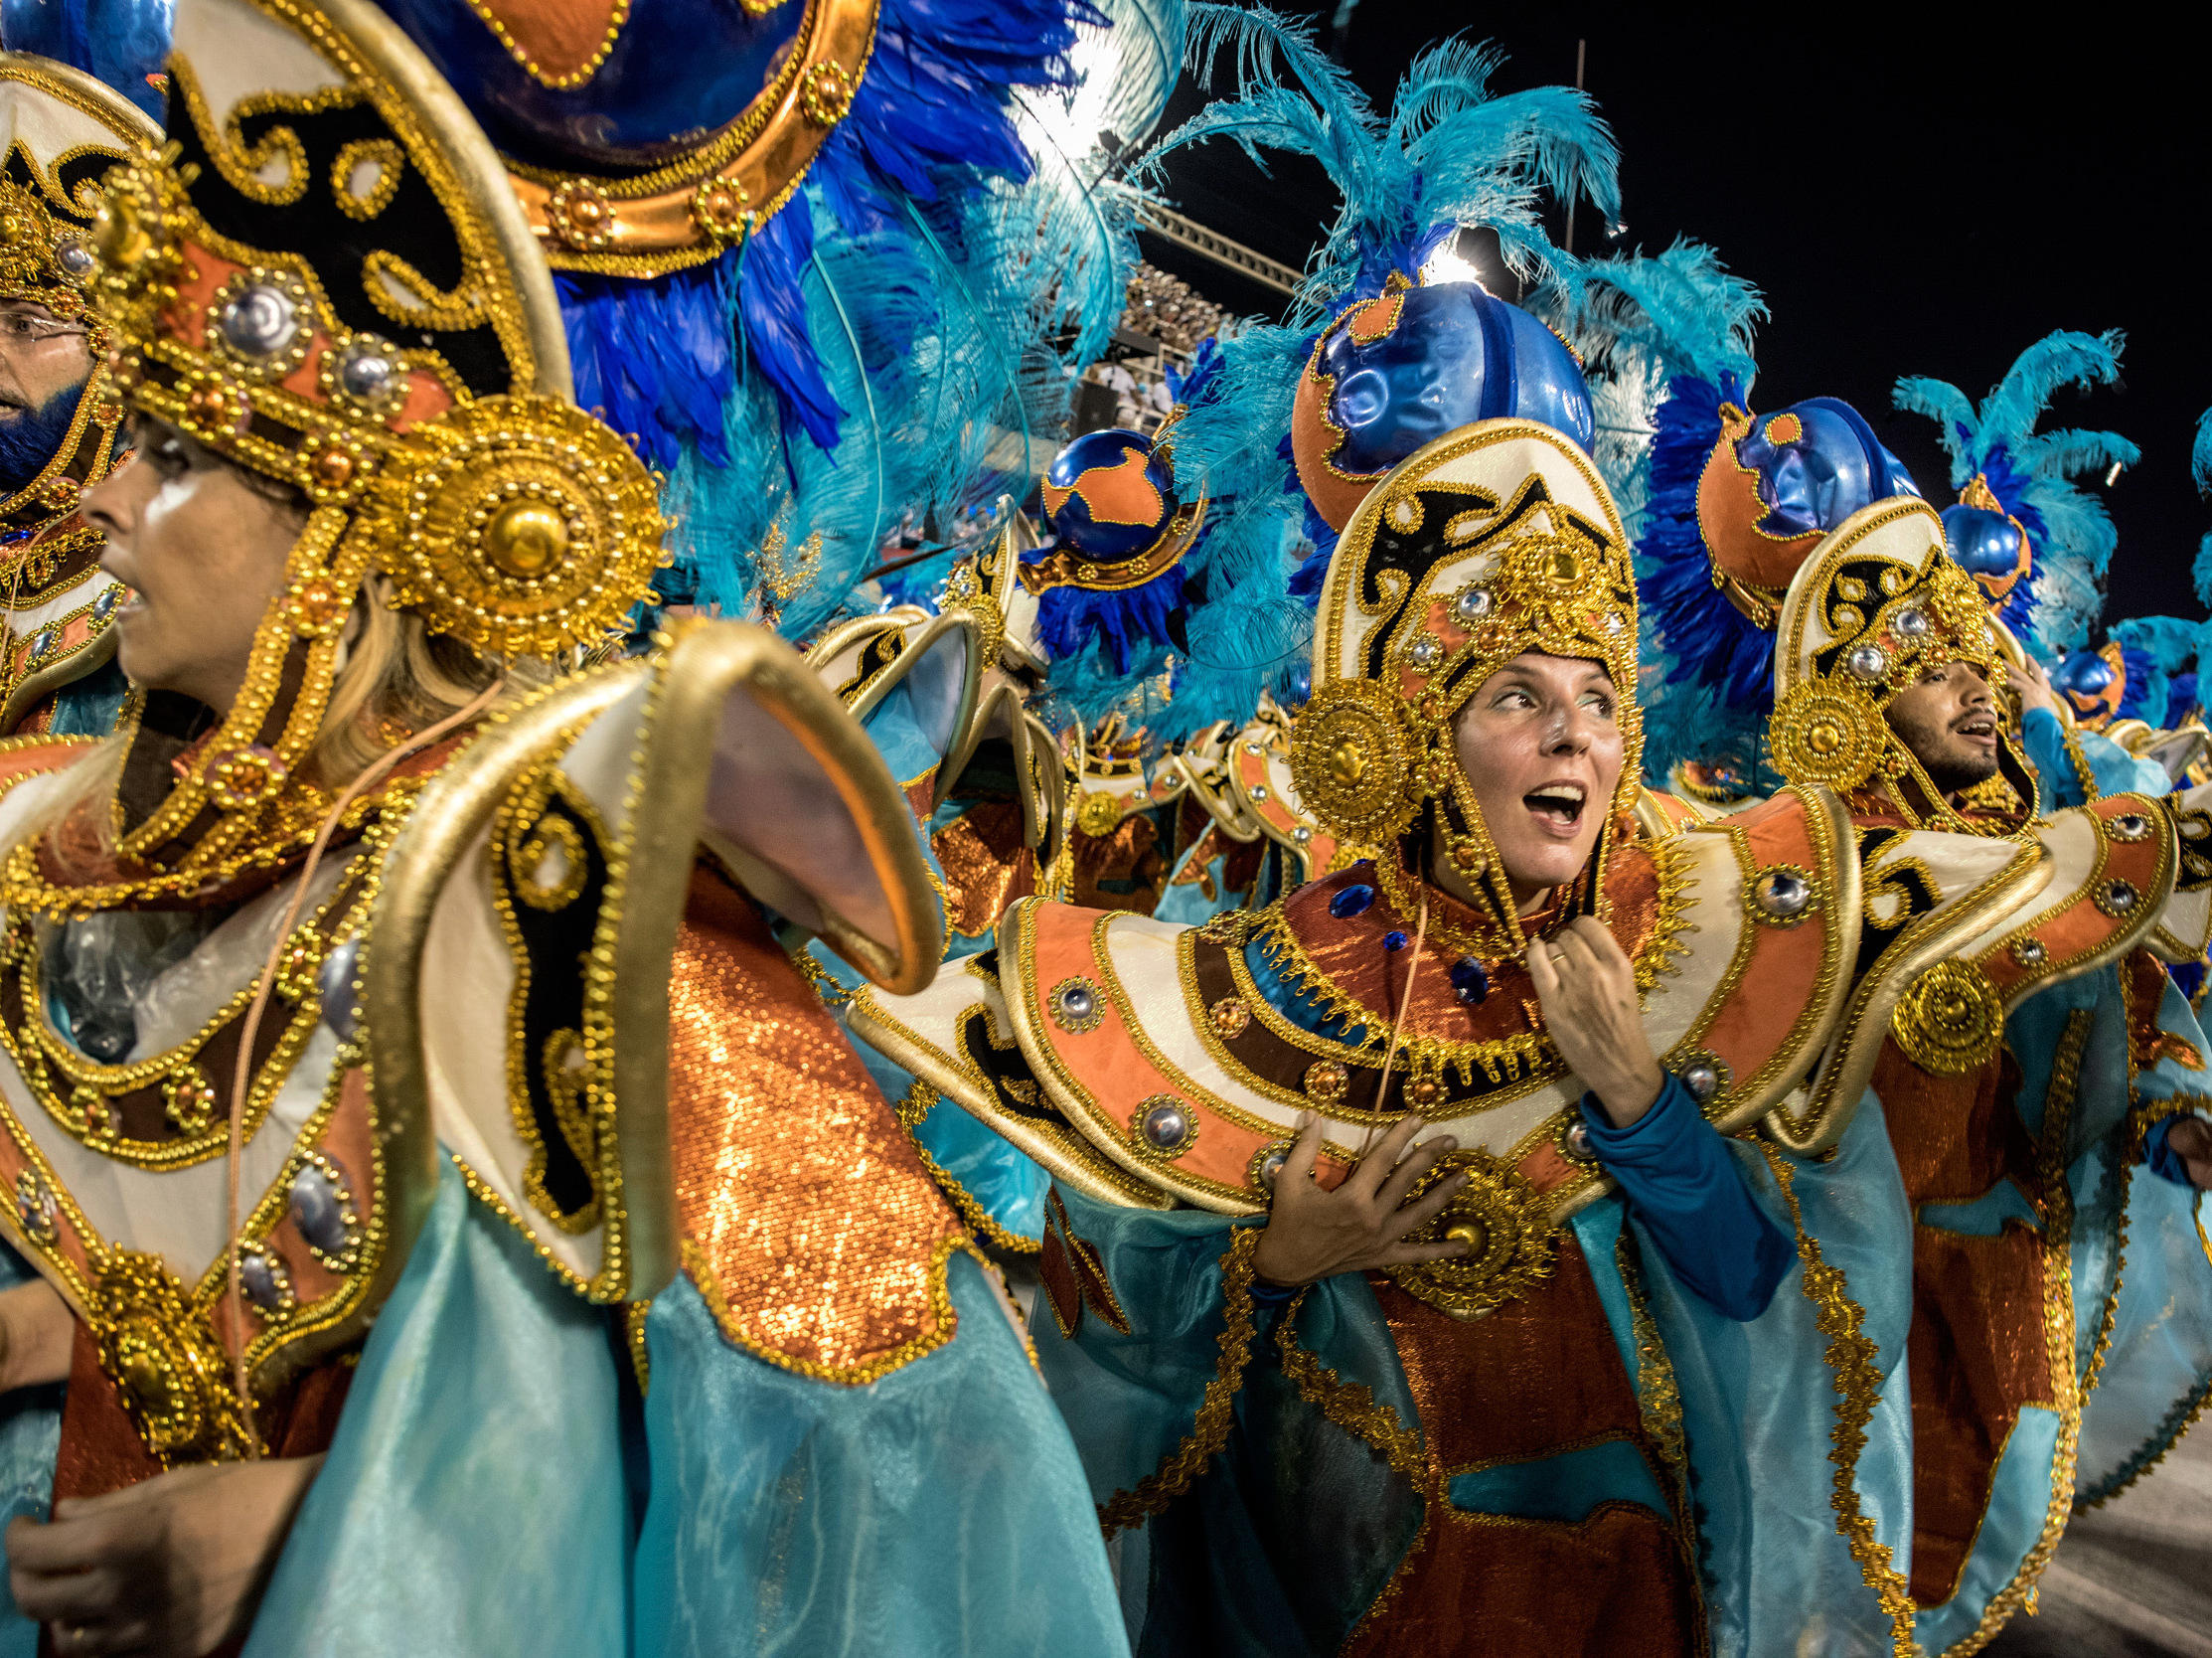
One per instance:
[(2031, 474)]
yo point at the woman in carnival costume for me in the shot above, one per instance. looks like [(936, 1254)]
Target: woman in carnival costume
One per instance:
[(1389, 1407), (58, 421), (341, 1194), (1109, 633), (1993, 1176)]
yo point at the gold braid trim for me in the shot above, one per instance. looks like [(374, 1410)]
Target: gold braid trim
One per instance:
[(1210, 1430), (1352, 1406), (2058, 1327), (920, 1101), (1850, 1357), (634, 1314), (2083, 775)]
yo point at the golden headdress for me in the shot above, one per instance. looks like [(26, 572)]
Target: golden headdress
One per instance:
[(1878, 604), (61, 131), (1496, 539), (325, 277)]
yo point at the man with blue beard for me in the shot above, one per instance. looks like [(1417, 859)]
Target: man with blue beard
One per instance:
[(59, 424)]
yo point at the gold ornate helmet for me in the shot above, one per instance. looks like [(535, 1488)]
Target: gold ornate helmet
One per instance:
[(1496, 539), (1878, 604), (62, 132), (325, 277)]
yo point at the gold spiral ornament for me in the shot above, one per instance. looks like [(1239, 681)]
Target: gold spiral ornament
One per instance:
[(1949, 1020), (1824, 733), (519, 525), (1497, 1216), (1353, 757)]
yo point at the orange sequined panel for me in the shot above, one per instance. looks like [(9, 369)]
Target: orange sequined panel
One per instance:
[(1612, 1585), (1975, 1355), (1123, 870), (1954, 1136), (986, 865), (1537, 1375), (810, 1225)]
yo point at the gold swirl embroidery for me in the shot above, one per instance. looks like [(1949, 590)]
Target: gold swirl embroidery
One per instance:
[(1209, 1429)]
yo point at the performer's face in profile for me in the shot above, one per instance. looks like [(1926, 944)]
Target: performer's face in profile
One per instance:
[(1947, 718), (201, 545), (1541, 741)]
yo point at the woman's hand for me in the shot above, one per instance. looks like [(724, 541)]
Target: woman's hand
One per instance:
[(1314, 1234), (1586, 985), (2033, 687), (37, 1330), (172, 1567), (2191, 1139)]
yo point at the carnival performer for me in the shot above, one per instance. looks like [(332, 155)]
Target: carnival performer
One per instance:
[(1392, 1406), (58, 421), (1995, 1177), (406, 1287)]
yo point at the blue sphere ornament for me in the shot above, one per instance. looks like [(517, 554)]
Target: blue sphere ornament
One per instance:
[(1351, 900), (1819, 462), (1394, 941), (1394, 373), (2094, 681), (1990, 546), (668, 75), (1470, 980), (1110, 495)]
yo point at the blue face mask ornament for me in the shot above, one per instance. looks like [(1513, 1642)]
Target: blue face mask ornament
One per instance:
[(1404, 369)]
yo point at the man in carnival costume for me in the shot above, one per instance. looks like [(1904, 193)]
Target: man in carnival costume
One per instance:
[(339, 1194), (2037, 545), (58, 421), (1993, 1177)]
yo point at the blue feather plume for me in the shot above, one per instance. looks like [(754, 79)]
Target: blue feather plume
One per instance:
[(1450, 153), (899, 340), (1453, 153), (2030, 473)]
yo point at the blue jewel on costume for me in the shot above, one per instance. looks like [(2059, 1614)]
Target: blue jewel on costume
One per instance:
[(1394, 941), (1470, 980), (1352, 901)]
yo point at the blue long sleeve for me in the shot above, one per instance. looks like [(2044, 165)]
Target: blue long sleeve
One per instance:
[(2116, 771), (1681, 1182)]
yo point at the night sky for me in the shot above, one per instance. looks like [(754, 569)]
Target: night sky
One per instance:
[(1917, 194)]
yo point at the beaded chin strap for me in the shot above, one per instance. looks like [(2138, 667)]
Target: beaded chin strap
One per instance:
[(376, 773)]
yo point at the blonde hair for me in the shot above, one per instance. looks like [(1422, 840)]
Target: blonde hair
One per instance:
[(395, 678)]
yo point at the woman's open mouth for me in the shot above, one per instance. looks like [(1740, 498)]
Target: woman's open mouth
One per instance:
[(1557, 807)]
